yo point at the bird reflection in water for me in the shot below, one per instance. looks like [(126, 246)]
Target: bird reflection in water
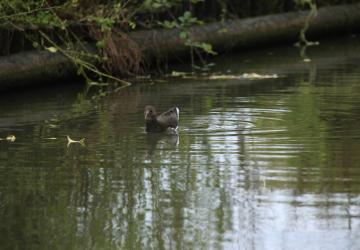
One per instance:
[(161, 141)]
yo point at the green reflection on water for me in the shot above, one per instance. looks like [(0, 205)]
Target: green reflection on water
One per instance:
[(256, 164)]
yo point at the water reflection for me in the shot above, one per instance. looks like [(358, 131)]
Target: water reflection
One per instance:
[(256, 164), (160, 141)]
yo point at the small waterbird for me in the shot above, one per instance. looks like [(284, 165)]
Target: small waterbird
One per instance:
[(160, 123)]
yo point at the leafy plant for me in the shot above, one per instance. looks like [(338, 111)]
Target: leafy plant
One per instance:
[(184, 23), (311, 4), (55, 25)]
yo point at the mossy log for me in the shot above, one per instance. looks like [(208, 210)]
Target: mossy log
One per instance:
[(42, 66)]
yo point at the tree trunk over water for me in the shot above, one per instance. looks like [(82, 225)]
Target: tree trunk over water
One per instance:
[(29, 68), (252, 32), (35, 67)]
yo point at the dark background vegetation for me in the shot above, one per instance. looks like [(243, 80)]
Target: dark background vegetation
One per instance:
[(61, 25), (82, 16)]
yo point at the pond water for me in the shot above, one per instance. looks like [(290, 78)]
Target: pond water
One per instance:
[(256, 164)]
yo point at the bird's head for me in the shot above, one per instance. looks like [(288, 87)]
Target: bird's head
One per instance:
[(149, 113)]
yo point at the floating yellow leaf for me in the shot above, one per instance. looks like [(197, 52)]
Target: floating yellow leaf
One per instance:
[(70, 141), (251, 76), (179, 73), (259, 76), (11, 138), (223, 77)]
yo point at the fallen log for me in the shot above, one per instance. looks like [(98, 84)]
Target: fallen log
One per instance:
[(29, 68), (35, 68), (252, 32), (42, 66)]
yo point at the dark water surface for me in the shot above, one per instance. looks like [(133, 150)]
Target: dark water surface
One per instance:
[(257, 164)]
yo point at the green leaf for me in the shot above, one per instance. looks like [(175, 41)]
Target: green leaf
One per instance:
[(187, 14), (132, 25), (184, 35), (207, 47), (157, 5), (100, 44), (168, 25)]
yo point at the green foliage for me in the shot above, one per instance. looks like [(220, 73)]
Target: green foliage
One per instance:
[(168, 24), (52, 25), (207, 47), (312, 14), (159, 5), (187, 20), (184, 23)]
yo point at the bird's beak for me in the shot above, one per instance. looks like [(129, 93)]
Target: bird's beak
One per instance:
[(146, 114)]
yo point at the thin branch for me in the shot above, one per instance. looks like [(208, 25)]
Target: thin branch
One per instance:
[(83, 63)]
